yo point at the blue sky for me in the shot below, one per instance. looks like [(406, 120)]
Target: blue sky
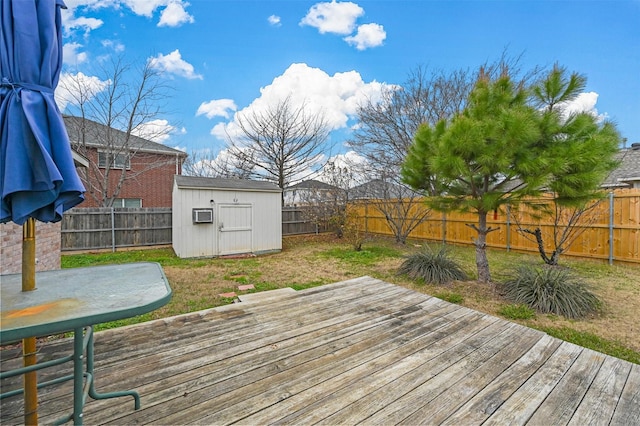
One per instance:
[(223, 57)]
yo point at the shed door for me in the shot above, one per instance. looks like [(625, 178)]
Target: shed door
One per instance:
[(235, 226)]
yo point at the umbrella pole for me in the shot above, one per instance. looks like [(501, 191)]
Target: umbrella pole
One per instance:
[(29, 344)]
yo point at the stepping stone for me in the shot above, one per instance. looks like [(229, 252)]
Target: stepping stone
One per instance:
[(231, 294), (246, 287)]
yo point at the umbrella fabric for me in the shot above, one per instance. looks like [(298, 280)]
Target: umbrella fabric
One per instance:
[(37, 175)]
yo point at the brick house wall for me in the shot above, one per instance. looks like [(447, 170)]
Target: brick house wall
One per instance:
[(153, 186), (47, 247), (152, 165)]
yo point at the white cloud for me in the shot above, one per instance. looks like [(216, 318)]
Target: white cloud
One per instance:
[(155, 130), (336, 96), (116, 46), (175, 15), (217, 108), (71, 54), (174, 64), (208, 164), (353, 162), (73, 87), (335, 17), (350, 159), (584, 102), (368, 35), (70, 23), (274, 20), (173, 12), (220, 130), (144, 7)]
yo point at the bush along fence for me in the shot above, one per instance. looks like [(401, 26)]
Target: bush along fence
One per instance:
[(112, 228), (611, 230)]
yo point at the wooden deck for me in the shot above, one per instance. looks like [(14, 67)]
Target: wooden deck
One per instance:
[(358, 351)]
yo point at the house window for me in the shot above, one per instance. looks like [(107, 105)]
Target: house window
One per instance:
[(127, 202), (115, 161)]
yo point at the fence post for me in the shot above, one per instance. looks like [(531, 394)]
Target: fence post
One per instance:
[(611, 228), (113, 230), (366, 217), (508, 228), (444, 228)]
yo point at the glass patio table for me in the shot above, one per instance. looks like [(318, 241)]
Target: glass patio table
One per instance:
[(75, 300)]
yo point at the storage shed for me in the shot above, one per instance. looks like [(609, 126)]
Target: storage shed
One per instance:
[(216, 217)]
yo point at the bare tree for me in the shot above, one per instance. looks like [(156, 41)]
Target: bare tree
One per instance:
[(402, 207), (223, 165), (385, 133), (116, 118), (279, 143), (328, 199), (387, 126), (568, 223)]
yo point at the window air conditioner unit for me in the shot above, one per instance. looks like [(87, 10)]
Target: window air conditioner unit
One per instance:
[(202, 215)]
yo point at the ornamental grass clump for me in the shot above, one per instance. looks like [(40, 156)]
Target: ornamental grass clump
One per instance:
[(432, 267), (551, 290)]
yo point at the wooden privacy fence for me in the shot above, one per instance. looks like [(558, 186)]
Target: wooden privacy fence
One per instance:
[(111, 228), (107, 227), (612, 233), (296, 220)]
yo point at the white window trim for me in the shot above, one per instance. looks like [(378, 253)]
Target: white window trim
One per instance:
[(105, 155)]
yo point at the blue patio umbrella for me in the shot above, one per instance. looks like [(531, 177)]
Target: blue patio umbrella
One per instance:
[(37, 175), (38, 179)]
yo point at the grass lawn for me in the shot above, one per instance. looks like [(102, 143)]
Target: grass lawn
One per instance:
[(308, 261)]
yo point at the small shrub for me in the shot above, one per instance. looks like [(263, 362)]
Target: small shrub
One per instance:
[(450, 297), (437, 268), (551, 290), (514, 312), (351, 230)]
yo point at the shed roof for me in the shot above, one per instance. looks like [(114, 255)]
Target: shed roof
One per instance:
[(197, 182)]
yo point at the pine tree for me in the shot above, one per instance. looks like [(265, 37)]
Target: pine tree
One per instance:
[(503, 149)]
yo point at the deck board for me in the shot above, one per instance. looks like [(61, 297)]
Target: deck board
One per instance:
[(361, 351)]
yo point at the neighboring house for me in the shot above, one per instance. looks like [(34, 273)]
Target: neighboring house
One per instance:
[(380, 189), (627, 175), (308, 192), (148, 167)]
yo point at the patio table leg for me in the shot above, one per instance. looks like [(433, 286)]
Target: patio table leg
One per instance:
[(78, 379), (78, 376), (92, 392)]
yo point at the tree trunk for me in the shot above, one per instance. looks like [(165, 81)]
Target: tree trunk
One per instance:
[(482, 263), (553, 260)]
